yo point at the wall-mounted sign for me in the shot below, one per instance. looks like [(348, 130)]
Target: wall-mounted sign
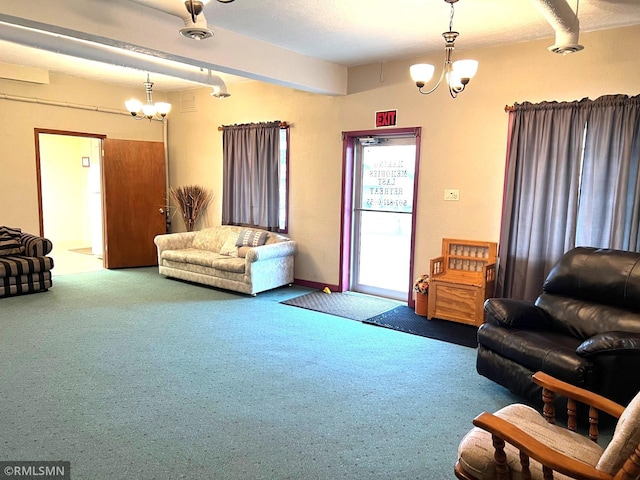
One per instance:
[(388, 118)]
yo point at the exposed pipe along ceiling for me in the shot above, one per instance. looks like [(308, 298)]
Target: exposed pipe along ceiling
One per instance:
[(565, 23), (59, 43)]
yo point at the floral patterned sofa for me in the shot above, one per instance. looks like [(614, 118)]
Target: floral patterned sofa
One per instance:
[(24, 265), (230, 257)]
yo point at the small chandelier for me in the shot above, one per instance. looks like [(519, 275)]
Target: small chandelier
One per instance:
[(148, 110), (457, 74)]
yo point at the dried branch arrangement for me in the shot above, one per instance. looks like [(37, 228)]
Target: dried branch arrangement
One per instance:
[(192, 200)]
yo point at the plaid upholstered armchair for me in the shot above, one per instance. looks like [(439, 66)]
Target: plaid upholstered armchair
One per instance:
[(24, 265)]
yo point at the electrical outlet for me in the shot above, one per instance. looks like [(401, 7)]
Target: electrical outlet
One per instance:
[(451, 195)]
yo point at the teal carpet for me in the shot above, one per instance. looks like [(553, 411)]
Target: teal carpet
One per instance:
[(129, 375)]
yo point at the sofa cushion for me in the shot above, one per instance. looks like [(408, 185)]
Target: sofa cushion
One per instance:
[(545, 350), (202, 257), (476, 451), (208, 259), (625, 439), (18, 285), (234, 265), (599, 276), (251, 238), (177, 255), (10, 243), (229, 248), (213, 238), (18, 265), (192, 256), (585, 318)]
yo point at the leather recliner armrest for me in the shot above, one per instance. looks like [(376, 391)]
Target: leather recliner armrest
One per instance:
[(625, 343), (508, 312)]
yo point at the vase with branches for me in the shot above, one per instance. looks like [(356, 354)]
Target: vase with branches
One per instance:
[(192, 201)]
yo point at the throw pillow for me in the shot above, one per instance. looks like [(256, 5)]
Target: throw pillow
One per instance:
[(10, 243), (242, 251), (251, 238), (229, 247)]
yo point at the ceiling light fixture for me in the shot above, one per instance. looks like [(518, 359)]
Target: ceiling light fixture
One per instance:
[(149, 110), (195, 7), (457, 74), (195, 25)]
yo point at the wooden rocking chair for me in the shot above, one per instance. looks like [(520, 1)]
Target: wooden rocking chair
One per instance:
[(517, 442)]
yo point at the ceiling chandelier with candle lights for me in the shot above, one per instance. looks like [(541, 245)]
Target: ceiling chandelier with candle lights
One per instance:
[(149, 110)]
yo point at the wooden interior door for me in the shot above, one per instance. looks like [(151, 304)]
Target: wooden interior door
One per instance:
[(134, 186)]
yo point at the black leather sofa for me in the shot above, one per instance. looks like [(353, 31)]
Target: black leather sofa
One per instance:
[(584, 328)]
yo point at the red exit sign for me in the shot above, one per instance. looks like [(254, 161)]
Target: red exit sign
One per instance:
[(388, 118)]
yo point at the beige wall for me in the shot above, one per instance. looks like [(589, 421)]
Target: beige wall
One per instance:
[(463, 140), (18, 119), (65, 183), (195, 156)]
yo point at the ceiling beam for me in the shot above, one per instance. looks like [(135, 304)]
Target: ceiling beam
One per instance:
[(124, 27)]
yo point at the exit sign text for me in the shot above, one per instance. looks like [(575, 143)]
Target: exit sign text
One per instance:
[(386, 119)]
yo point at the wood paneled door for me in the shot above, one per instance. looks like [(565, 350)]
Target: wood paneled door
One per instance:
[(134, 182)]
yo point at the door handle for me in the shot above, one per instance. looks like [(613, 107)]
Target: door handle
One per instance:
[(161, 210)]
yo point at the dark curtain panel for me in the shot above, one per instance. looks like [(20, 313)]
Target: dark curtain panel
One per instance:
[(610, 196), (572, 179), (540, 205), (251, 159), (505, 192)]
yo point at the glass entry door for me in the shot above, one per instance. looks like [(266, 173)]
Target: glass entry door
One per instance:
[(383, 216)]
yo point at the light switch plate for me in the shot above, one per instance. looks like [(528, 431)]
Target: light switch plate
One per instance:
[(451, 194)]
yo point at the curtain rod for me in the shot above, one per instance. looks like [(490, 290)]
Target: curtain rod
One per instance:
[(509, 108), (282, 125)]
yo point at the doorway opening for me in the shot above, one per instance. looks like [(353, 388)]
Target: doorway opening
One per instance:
[(378, 222), (132, 197), (70, 198)]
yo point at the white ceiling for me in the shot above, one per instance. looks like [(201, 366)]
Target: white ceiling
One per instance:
[(356, 32), (344, 32)]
